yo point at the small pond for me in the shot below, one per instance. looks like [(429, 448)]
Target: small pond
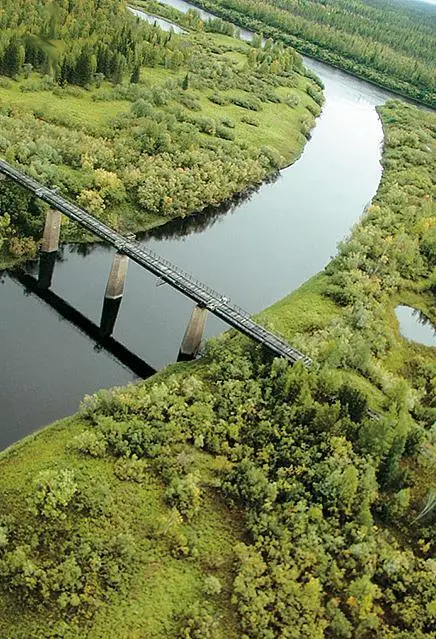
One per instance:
[(415, 326)]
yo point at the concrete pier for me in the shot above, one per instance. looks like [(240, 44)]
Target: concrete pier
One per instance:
[(193, 334), (52, 229), (117, 277)]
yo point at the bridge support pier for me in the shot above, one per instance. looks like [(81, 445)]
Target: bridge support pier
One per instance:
[(117, 277), (113, 294), (52, 229), (193, 334)]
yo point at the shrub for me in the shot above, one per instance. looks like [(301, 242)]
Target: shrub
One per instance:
[(228, 122), (189, 101), (218, 98), (130, 469), (90, 443), (274, 158), (141, 108), (205, 125), (224, 133), (292, 100), (184, 493), (54, 493), (250, 120), (212, 585), (315, 94), (314, 109), (199, 623), (247, 102)]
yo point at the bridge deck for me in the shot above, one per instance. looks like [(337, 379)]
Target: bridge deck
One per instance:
[(216, 303)]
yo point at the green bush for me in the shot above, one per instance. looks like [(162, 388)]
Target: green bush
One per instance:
[(219, 98), (184, 494), (224, 133), (248, 119), (247, 102), (130, 469), (228, 122), (90, 443), (189, 101)]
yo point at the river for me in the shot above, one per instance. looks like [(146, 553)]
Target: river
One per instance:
[(255, 253)]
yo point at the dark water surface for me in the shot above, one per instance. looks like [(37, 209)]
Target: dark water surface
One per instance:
[(256, 253)]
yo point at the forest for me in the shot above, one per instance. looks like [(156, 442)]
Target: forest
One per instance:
[(280, 501), (389, 43), (135, 124)]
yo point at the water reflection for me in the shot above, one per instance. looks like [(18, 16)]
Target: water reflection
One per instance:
[(416, 326), (101, 335), (165, 25), (206, 219)]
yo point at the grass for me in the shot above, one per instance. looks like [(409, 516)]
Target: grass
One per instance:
[(162, 586), (71, 111)]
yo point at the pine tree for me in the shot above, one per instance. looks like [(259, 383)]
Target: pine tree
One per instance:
[(136, 73), (13, 58)]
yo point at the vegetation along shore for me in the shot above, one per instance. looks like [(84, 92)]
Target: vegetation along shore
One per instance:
[(138, 125), (350, 35)]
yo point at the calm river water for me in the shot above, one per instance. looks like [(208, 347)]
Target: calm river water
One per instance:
[(257, 252)]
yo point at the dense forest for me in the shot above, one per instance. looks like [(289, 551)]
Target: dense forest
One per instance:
[(71, 39), (138, 125), (239, 496), (389, 43)]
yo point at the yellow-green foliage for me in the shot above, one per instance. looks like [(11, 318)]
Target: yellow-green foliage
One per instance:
[(136, 153)]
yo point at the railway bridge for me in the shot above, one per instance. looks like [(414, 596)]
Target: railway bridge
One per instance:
[(205, 298)]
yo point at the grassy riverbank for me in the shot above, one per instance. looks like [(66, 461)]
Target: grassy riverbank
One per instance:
[(202, 117), (235, 495), (348, 35)]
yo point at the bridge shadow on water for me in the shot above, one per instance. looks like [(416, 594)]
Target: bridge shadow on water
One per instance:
[(100, 335)]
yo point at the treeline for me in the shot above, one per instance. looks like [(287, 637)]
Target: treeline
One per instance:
[(390, 44)]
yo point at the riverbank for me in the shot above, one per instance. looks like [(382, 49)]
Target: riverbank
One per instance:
[(207, 120), (309, 39), (293, 449)]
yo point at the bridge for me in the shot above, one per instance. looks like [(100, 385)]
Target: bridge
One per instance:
[(206, 299)]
